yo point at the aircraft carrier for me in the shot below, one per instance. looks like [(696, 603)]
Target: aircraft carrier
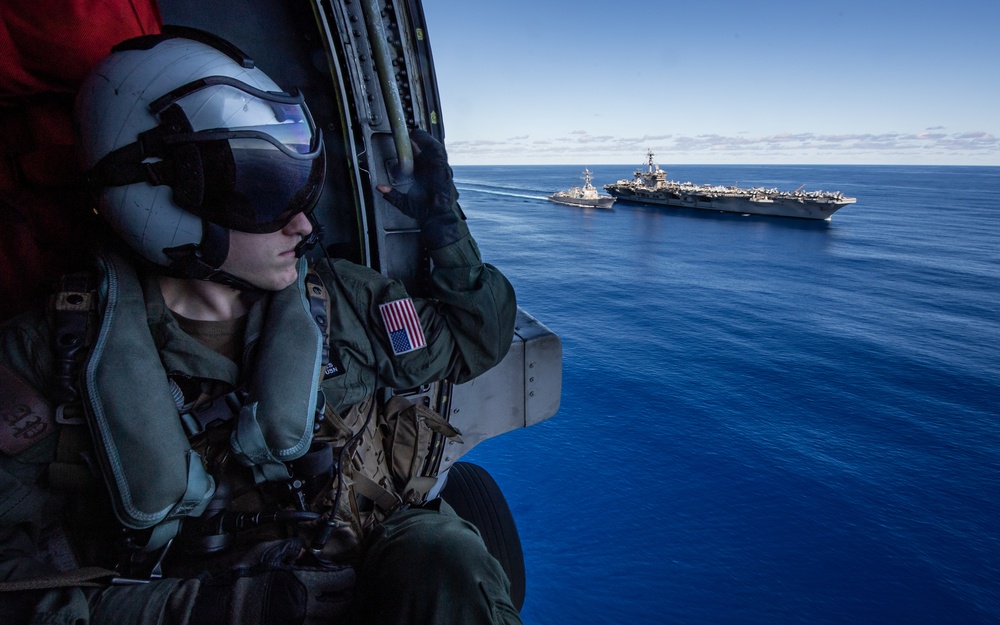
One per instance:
[(652, 187)]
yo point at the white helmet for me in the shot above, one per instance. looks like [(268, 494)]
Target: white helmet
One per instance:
[(183, 139)]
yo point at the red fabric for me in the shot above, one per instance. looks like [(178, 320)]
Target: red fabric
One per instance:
[(47, 47), (50, 45)]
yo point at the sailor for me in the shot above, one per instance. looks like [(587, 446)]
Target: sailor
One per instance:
[(189, 433)]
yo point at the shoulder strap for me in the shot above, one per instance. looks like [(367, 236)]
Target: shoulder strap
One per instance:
[(319, 308), (72, 314)]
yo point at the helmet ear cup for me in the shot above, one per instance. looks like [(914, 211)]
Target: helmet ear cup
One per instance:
[(200, 260)]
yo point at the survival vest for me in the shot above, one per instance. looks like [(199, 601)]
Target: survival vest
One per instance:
[(350, 472)]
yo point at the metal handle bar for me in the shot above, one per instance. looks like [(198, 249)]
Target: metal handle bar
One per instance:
[(390, 90)]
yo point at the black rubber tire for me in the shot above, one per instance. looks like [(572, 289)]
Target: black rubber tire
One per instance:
[(475, 496)]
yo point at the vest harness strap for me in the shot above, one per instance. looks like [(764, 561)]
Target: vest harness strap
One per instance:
[(72, 310)]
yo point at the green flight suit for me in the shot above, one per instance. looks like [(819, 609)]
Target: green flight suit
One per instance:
[(467, 325)]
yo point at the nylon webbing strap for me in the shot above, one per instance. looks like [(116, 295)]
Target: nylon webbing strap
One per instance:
[(71, 308), (386, 500), (84, 577), (319, 308)]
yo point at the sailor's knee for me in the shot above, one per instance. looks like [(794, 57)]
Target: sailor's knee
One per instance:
[(432, 548), (431, 566)]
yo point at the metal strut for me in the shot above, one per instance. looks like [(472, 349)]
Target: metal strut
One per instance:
[(390, 90)]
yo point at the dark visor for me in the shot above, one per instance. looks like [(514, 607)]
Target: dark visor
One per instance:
[(251, 186)]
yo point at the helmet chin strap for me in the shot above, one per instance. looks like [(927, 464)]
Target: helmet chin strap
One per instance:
[(228, 279)]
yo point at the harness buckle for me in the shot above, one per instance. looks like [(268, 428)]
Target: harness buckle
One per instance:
[(139, 560), (70, 413)]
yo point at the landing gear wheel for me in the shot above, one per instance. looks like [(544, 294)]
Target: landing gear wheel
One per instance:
[(476, 498)]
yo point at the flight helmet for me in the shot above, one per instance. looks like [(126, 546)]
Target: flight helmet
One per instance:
[(183, 139)]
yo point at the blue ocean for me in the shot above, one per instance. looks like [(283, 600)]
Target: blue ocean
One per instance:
[(764, 420)]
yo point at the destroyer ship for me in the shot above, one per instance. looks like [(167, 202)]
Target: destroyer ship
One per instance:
[(652, 187), (586, 196)]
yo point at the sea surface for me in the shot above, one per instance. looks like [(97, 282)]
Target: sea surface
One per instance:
[(764, 420)]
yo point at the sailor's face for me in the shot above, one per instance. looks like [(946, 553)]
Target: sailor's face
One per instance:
[(267, 260)]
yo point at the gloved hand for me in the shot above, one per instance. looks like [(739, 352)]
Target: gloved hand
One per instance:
[(432, 199), (270, 587), (258, 595)]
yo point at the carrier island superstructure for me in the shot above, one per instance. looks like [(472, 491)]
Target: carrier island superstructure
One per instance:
[(652, 187)]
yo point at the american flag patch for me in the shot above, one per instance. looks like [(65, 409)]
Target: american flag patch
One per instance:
[(402, 325)]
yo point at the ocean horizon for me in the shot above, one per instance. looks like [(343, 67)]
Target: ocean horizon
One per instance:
[(764, 420)]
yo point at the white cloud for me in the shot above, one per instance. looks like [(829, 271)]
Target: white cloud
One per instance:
[(579, 146)]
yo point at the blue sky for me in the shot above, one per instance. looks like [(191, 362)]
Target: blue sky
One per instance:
[(713, 81)]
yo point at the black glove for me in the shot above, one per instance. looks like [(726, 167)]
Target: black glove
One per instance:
[(271, 587), (259, 595), (432, 199)]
